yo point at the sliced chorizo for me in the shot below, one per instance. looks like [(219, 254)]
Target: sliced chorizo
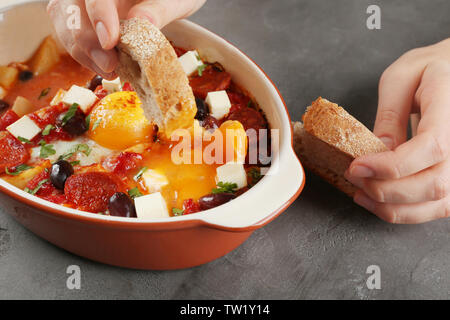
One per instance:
[(211, 80), (91, 191), (12, 152)]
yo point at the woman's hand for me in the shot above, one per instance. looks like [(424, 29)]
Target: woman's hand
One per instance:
[(411, 183), (93, 43)]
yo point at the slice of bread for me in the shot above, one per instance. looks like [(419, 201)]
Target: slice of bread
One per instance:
[(148, 61), (329, 139)]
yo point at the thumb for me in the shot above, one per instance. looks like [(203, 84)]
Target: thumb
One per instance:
[(162, 12)]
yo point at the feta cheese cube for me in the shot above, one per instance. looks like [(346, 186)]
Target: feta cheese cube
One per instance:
[(219, 103), (151, 206), (232, 172), (112, 86), (25, 128), (85, 98), (190, 62), (154, 180)]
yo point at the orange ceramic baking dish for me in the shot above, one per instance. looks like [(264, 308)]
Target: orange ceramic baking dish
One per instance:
[(175, 242)]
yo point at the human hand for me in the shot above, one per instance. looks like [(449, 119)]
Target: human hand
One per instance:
[(410, 183), (93, 44)]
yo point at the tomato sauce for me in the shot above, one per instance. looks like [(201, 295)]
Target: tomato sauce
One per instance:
[(62, 76)]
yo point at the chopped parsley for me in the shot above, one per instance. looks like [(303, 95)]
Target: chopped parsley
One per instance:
[(35, 190), (140, 173), (96, 123), (46, 149), (225, 187), (24, 140), (47, 130), (19, 169), (200, 69), (75, 163), (69, 114), (81, 147), (88, 121), (255, 175), (177, 212), (134, 193), (44, 93)]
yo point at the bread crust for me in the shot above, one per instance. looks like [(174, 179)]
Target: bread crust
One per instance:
[(148, 61), (329, 139)]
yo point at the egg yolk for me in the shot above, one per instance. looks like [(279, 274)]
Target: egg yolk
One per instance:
[(118, 122)]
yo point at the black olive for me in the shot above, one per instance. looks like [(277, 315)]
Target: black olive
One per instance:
[(25, 75), (61, 170), (120, 205), (76, 125), (202, 109), (214, 200), (3, 105), (95, 82)]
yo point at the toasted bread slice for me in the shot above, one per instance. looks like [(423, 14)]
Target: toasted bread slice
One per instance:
[(148, 61), (329, 139)]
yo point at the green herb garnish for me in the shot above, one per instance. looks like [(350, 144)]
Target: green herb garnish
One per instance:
[(200, 69), (24, 140), (177, 212), (255, 175), (225, 187), (19, 169), (47, 130), (81, 147), (140, 173), (46, 149), (44, 93), (134, 193), (75, 163), (96, 123), (69, 114), (35, 190), (88, 121)]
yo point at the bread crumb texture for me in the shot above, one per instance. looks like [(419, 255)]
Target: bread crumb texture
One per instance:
[(332, 124), (142, 36)]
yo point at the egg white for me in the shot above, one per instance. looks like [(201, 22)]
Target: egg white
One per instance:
[(61, 147)]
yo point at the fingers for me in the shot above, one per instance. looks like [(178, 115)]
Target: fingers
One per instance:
[(82, 43), (419, 153), (405, 213), (431, 144), (105, 21), (162, 12), (397, 88), (428, 185)]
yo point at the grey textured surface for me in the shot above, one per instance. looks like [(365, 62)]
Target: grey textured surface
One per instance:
[(321, 246)]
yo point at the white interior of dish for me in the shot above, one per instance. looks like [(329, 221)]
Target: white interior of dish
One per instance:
[(24, 26)]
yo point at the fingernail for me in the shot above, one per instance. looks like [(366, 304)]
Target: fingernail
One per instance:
[(101, 59), (359, 171), (102, 34), (388, 142), (364, 201)]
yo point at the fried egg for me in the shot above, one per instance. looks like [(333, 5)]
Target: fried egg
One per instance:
[(117, 122)]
